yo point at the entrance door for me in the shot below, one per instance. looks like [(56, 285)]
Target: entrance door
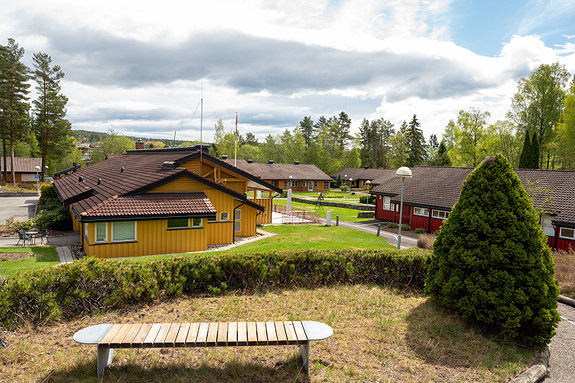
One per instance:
[(310, 186)]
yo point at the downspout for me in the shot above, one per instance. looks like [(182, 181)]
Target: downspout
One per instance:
[(234, 222)]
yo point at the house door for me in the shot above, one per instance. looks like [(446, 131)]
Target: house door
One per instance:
[(310, 186)]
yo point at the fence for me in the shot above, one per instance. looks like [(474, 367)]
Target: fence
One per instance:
[(297, 215)]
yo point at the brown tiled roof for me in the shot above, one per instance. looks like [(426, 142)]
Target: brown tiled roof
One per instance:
[(274, 172), (132, 174), (153, 205), (21, 164), (439, 187), (364, 174)]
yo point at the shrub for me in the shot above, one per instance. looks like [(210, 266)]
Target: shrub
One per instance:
[(368, 199), (420, 230), (425, 241), (53, 215), (344, 188), (20, 225), (491, 261), (90, 285), (392, 225), (405, 227)]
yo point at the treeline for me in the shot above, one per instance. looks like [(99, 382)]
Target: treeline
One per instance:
[(538, 132), (33, 128)]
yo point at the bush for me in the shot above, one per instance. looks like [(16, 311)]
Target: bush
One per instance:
[(419, 230), (344, 188), (491, 261), (20, 225), (425, 241), (54, 215), (91, 285), (368, 199), (405, 227), (392, 225)]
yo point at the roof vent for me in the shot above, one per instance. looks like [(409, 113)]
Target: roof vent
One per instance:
[(168, 165), (250, 161), (122, 169), (99, 181), (224, 157), (296, 162), (366, 167), (270, 161), (80, 179)]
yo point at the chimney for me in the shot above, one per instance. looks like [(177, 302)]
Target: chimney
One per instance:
[(366, 167), (167, 165), (250, 161), (203, 147), (224, 157), (296, 162), (139, 144), (270, 161)]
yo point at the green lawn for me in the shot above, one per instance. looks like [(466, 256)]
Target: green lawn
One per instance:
[(348, 215), (45, 257), (294, 237)]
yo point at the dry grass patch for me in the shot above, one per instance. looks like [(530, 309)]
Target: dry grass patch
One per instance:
[(425, 241), (565, 271), (381, 334)]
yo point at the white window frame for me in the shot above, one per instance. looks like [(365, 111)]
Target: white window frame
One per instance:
[(87, 231), (294, 183), (125, 240), (304, 184), (178, 227), (386, 203), (439, 213), (564, 236), (201, 224), (226, 214), (105, 240), (547, 226), (421, 211)]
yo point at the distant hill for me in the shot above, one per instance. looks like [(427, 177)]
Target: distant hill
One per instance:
[(93, 137)]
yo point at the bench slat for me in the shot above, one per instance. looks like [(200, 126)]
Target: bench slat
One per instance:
[(182, 335), (172, 334), (252, 334), (233, 333), (131, 335), (202, 334), (151, 336), (290, 332), (222, 339), (159, 341), (281, 333), (120, 335), (262, 336), (192, 334), (300, 332), (141, 335), (212, 334), (111, 334), (242, 334), (271, 333)]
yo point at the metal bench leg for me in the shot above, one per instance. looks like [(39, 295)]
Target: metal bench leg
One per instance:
[(105, 356), (305, 356)]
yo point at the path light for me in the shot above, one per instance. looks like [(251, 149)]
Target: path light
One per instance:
[(403, 172)]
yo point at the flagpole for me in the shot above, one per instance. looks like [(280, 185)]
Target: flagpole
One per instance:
[(236, 142)]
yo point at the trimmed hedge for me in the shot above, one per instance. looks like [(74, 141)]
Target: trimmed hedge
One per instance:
[(91, 285)]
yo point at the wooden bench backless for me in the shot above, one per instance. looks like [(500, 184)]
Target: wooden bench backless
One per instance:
[(216, 334)]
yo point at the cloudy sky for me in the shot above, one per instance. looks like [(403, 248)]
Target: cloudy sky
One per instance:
[(141, 67)]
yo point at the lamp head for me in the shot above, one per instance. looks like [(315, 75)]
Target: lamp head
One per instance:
[(403, 172)]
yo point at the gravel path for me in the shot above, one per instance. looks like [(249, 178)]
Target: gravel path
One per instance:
[(562, 361)]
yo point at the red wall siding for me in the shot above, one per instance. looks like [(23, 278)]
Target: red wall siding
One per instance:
[(562, 244), (419, 221), (436, 224)]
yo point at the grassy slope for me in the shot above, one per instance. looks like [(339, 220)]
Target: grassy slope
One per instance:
[(45, 257)]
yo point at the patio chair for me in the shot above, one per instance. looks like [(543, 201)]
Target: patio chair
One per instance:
[(42, 236), (23, 237)]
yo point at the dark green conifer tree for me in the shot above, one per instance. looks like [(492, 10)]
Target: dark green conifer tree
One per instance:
[(491, 262), (525, 153), (533, 159)]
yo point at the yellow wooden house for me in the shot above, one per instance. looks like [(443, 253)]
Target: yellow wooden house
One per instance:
[(162, 201)]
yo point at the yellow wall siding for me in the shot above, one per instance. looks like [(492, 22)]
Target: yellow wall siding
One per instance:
[(76, 225), (153, 237), (265, 217), (248, 221), (218, 175), (181, 185), (219, 233)]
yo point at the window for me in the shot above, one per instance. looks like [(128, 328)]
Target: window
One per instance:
[(285, 184), (197, 223), (440, 214), (86, 231), (421, 211), (547, 226), (123, 231), (178, 223), (362, 182), (567, 233), (325, 185), (101, 232), (213, 219), (224, 216), (386, 203), (293, 183), (304, 184)]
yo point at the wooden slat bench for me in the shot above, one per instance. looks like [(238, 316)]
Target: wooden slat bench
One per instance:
[(216, 334)]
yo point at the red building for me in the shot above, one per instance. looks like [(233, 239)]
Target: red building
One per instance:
[(432, 191)]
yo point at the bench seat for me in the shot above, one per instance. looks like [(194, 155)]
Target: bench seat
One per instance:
[(216, 334)]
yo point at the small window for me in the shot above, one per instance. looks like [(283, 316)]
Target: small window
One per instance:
[(386, 203), (213, 219), (362, 182), (197, 223), (325, 185), (285, 184), (178, 223), (86, 231), (224, 216), (123, 231), (567, 233), (304, 184), (439, 214), (293, 184), (421, 211), (101, 232)]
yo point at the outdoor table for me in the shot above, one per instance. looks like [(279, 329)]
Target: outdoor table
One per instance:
[(32, 235)]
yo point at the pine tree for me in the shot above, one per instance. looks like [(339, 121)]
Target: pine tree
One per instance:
[(525, 153), (533, 159), (415, 143), (14, 121), (491, 262), (50, 125)]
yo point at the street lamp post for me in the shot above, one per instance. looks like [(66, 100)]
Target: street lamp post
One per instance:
[(403, 172)]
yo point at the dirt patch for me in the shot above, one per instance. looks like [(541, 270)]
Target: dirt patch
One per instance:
[(15, 256), (5, 231)]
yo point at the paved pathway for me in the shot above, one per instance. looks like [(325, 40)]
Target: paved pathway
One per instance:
[(562, 360)]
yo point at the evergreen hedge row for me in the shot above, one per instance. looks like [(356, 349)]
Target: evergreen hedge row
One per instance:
[(91, 285)]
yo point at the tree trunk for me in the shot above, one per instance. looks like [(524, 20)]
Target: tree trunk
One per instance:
[(5, 168)]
